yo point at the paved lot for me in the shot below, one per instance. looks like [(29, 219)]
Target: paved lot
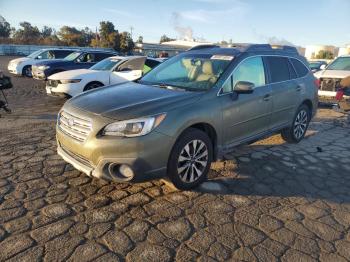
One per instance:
[(268, 201)]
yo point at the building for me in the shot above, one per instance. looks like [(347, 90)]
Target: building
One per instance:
[(312, 51), (170, 48), (344, 50)]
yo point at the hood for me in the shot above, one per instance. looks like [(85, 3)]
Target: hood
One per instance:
[(75, 74), (19, 60), (131, 100), (332, 74)]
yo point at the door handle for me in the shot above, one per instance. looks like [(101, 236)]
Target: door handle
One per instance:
[(298, 88), (266, 97)]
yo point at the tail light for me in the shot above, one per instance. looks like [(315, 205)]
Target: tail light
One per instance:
[(317, 82)]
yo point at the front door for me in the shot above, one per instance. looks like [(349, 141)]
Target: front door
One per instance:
[(246, 115), (130, 70)]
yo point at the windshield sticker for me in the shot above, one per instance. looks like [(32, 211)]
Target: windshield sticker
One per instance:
[(222, 57)]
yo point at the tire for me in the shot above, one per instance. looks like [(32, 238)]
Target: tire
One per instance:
[(190, 171), (92, 85), (297, 131), (27, 71)]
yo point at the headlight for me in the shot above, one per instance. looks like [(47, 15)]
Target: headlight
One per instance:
[(69, 81), (43, 67), (133, 127)]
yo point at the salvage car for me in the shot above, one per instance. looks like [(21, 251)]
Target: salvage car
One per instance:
[(23, 66), (112, 70), (330, 78), (78, 60), (187, 112)]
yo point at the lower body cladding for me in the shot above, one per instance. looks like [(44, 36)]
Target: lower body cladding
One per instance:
[(118, 159)]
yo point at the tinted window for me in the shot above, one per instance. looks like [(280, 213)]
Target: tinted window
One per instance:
[(151, 63), (62, 53), (292, 72), (101, 56), (301, 69), (279, 70)]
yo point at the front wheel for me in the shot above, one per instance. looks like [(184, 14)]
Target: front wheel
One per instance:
[(27, 71), (297, 131), (190, 159)]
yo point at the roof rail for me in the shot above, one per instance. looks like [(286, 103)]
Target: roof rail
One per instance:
[(270, 47), (199, 47)]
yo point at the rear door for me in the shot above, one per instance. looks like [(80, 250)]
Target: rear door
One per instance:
[(130, 70), (285, 90), (245, 116)]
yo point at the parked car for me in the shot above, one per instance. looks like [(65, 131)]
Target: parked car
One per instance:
[(330, 78), (188, 112), (112, 70), (23, 66), (77, 60), (317, 65)]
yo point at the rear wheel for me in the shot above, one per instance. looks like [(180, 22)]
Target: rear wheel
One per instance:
[(27, 71), (190, 159), (297, 131), (92, 85)]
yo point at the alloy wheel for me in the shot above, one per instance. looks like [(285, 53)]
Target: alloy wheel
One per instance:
[(192, 161), (300, 124)]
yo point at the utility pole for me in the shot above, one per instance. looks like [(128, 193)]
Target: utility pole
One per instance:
[(131, 29)]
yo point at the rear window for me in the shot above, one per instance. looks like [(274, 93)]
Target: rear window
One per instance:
[(301, 69), (279, 69)]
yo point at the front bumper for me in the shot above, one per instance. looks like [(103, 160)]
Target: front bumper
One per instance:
[(38, 74), (147, 155), (14, 69), (62, 90), (329, 97)]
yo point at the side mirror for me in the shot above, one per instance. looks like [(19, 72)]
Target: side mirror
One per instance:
[(244, 87), (323, 67)]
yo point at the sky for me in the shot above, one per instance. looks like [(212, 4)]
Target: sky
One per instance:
[(300, 22)]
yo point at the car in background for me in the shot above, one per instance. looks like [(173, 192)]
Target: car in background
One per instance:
[(330, 78), (78, 60), (316, 66), (23, 66), (112, 70)]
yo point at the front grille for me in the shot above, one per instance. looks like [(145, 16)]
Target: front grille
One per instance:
[(53, 83), (73, 126), (329, 84), (77, 157)]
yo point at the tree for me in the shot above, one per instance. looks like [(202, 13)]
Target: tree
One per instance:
[(27, 34), (46, 31), (140, 40), (109, 36), (126, 42), (72, 36), (324, 54), (164, 38), (5, 28)]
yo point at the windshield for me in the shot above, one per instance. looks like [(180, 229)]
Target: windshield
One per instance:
[(35, 54), (341, 63), (190, 71), (106, 64), (72, 56)]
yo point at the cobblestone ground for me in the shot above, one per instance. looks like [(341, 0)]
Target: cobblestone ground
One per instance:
[(269, 201)]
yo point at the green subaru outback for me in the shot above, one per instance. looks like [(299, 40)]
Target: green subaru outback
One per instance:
[(188, 112)]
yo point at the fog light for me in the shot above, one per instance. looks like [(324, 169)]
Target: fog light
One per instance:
[(126, 171)]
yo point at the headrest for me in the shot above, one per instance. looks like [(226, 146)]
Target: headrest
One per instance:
[(207, 68)]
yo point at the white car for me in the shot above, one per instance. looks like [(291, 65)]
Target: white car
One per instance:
[(112, 70), (330, 77), (23, 66)]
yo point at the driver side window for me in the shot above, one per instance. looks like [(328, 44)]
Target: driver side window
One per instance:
[(250, 70)]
